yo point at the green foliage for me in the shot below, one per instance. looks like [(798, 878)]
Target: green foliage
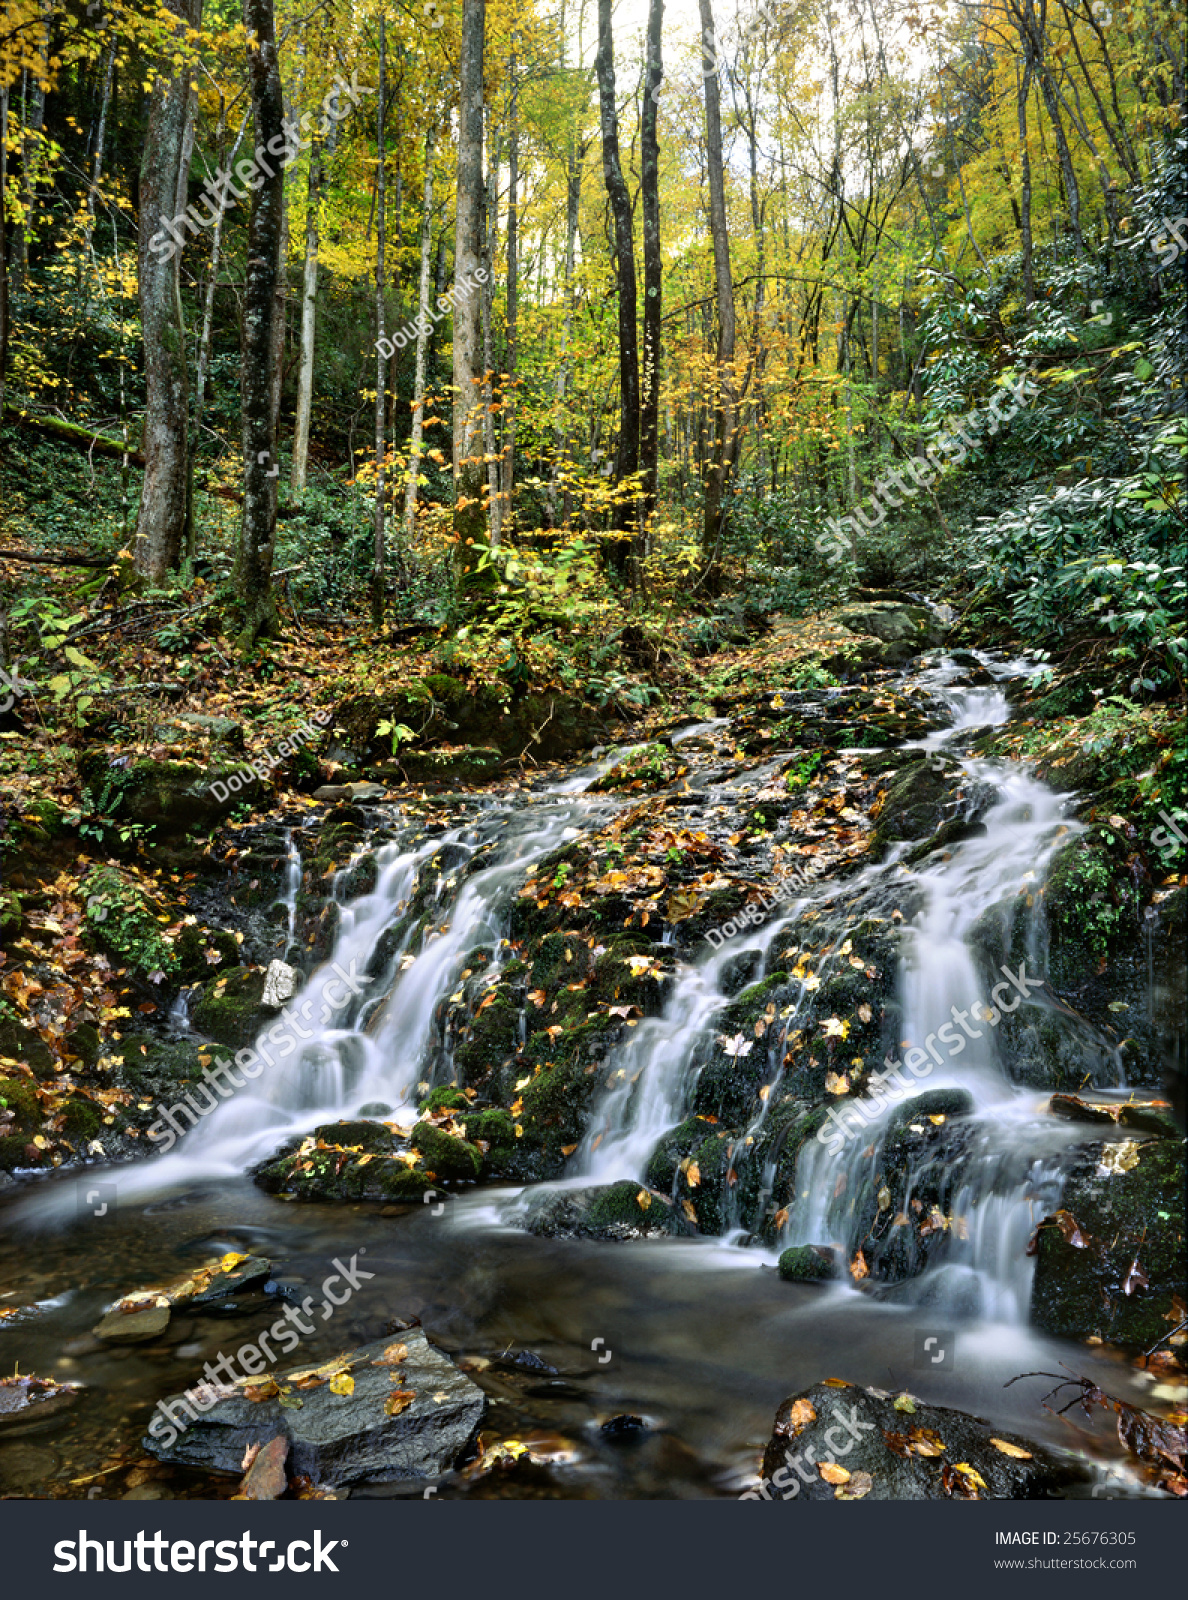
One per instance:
[(801, 774), (119, 917)]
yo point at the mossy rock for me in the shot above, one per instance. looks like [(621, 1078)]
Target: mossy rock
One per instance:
[(444, 1098), (11, 915), (120, 919), (445, 1156), (808, 1263), (470, 764), (190, 952), (25, 1044), (228, 1010), (648, 766), (173, 797), (1090, 906), (319, 1176), (1136, 1214), (915, 803), (613, 1211), (496, 1129), (358, 1135)]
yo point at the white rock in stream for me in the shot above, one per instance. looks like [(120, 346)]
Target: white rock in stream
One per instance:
[(280, 985)]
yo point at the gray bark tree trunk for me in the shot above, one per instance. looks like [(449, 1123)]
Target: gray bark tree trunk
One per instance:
[(161, 522), (263, 326), (473, 572), (424, 286), (725, 417)]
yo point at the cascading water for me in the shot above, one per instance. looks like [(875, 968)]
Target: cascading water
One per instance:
[(445, 899)]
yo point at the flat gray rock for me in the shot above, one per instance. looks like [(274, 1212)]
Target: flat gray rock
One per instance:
[(341, 1439), (132, 1327)]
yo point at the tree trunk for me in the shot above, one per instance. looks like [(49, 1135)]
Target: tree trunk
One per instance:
[(473, 571), (381, 409), (511, 358), (161, 523), (620, 550), (263, 322), (725, 418), (1025, 181), (649, 419), (309, 323), (490, 247), (3, 242), (423, 328)]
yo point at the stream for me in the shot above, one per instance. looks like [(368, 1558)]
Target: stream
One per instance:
[(696, 1337)]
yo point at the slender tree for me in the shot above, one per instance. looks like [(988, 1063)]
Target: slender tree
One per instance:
[(164, 181), (263, 325), (649, 419), (726, 409), (473, 571), (381, 392), (424, 327), (620, 549)]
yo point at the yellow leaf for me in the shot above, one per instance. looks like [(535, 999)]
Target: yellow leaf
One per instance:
[(688, 1209), (342, 1383), (1012, 1450), (693, 1175), (643, 1199), (968, 1472), (399, 1400), (231, 1260), (832, 1473)]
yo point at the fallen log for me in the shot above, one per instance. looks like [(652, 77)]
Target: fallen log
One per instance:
[(101, 444)]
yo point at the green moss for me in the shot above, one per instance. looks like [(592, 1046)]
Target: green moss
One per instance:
[(228, 1009), (119, 918), (82, 1119), (445, 1098), (445, 1156), (19, 1096), (803, 1263)]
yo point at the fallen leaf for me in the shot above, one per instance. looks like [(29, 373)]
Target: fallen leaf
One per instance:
[(399, 1400), (832, 1473), (1015, 1452)]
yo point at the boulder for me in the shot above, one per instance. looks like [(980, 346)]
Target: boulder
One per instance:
[(336, 1438), (808, 1263), (280, 985), (607, 1211), (1110, 1260), (133, 1327), (837, 1441)]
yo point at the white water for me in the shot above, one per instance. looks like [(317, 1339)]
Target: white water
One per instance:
[(384, 1044)]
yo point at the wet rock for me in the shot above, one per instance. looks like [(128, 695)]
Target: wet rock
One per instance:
[(29, 1399), (869, 1447), (608, 1211), (347, 1161), (624, 1426), (808, 1263), (1109, 1262), (445, 1156), (336, 1439), (252, 1270), (902, 631), (230, 1008), (133, 1327), (916, 802)]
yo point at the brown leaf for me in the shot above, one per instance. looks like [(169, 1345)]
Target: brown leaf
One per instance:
[(832, 1473), (859, 1268), (859, 1486), (399, 1400)]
